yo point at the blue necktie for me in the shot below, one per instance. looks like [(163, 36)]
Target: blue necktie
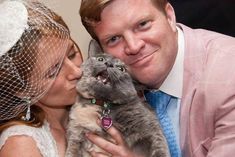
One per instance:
[(159, 101)]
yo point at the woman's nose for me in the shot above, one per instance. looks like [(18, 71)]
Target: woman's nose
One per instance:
[(133, 44), (75, 72)]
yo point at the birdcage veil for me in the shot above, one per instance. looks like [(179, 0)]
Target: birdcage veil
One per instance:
[(33, 43)]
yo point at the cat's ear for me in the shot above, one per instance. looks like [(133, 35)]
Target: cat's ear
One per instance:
[(94, 48)]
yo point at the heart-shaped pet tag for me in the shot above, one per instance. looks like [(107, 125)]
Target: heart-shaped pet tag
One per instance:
[(106, 122)]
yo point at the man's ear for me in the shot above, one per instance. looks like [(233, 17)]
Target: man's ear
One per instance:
[(170, 13), (94, 48)]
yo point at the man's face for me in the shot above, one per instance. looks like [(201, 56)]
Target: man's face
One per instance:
[(142, 36)]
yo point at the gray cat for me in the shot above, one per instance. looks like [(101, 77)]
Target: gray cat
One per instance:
[(105, 78)]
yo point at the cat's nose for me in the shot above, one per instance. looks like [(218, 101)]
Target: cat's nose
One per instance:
[(109, 64)]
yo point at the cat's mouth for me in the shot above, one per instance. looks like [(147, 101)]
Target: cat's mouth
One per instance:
[(103, 76)]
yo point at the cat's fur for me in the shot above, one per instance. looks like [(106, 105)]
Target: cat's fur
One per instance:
[(133, 117)]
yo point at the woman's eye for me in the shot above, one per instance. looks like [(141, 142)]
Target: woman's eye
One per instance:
[(73, 52), (100, 59), (72, 55)]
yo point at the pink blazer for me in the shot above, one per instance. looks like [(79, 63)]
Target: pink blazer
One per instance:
[(208, 104)]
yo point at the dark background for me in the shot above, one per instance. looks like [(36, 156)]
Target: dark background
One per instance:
[(215, 15)]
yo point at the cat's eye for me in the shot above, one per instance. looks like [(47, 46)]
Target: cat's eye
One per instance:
[(121, 68), (100, 59)]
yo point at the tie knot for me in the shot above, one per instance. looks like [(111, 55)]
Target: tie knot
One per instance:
[(158, 100)]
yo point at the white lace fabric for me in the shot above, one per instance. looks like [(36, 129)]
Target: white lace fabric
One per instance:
[(42, 136)]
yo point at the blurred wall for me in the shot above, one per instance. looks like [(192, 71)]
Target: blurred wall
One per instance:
[(69, 10), (215, 15)]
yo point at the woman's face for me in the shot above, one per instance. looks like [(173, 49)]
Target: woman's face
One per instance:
[(63, 91)]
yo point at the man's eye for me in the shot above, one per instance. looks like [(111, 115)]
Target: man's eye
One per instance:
[(113, 40), (144, 25)]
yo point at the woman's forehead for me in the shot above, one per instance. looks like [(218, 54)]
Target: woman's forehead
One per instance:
[(53, 46), (51, 51)]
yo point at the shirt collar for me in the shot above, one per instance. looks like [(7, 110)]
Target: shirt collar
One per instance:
[(173, 84)]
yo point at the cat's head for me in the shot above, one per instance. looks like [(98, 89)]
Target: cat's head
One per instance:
[(105, 77)]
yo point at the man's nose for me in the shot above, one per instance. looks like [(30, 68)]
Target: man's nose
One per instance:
[(133, 43)]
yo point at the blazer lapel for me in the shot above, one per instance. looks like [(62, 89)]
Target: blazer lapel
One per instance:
[(193, 67)]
